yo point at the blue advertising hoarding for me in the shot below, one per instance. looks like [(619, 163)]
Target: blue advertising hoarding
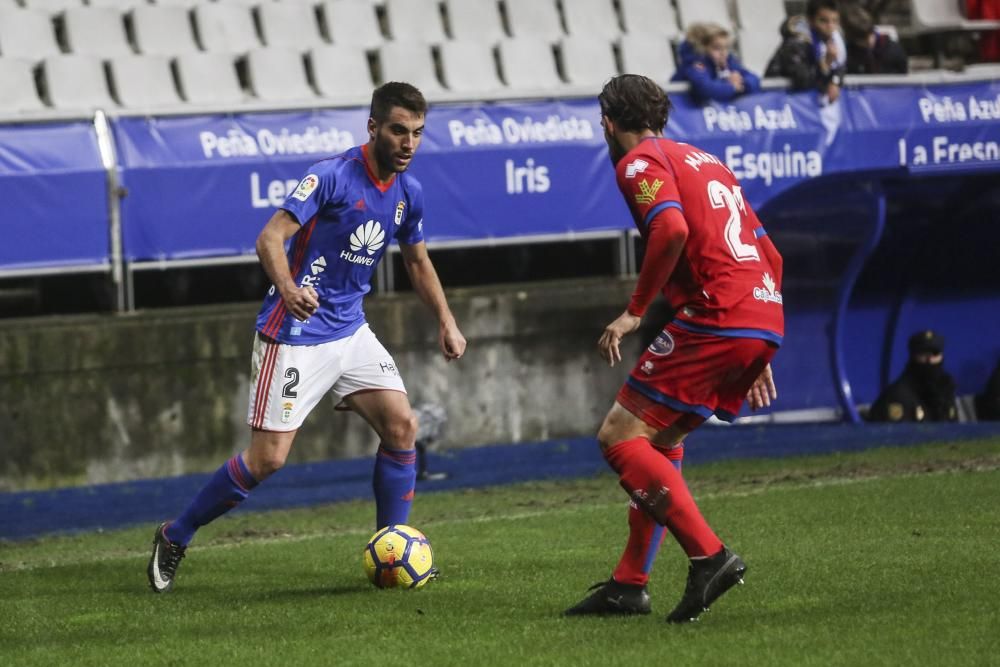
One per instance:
[(55, 197)]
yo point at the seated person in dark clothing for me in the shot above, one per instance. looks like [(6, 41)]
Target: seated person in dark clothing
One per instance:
[(812, 52), (988, 402), (868, 51), (924, 392), (714, 72)]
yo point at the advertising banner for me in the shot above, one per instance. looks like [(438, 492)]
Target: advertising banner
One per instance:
[(55, 197)]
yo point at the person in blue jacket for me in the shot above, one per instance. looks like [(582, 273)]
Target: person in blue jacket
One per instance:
[(713, 71)]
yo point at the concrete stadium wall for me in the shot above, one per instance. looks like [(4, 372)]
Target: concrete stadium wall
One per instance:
[(95, 399)]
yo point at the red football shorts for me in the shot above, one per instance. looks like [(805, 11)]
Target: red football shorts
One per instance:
[(685, 377)]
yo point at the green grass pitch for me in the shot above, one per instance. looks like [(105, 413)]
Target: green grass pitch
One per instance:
[(886, 557)]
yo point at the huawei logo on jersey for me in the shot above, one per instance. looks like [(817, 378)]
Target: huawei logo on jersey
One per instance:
[(368, 236)]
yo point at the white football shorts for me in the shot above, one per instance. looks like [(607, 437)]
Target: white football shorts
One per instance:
[(287, 381)]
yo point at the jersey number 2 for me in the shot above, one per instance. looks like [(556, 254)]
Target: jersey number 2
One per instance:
[(722, 196)]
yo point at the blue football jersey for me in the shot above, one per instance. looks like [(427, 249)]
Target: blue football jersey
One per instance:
[(348, 220)]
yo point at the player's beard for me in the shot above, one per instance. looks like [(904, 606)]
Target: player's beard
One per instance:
[(384, 155), (615, 150)]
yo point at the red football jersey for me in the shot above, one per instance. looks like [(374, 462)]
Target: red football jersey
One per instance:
[(723, 281)]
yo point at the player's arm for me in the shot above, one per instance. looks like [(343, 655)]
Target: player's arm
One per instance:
[(668, 232), (301, 302), (428, 286)]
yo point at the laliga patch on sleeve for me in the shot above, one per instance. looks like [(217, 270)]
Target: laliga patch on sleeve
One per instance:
[(306, 187)]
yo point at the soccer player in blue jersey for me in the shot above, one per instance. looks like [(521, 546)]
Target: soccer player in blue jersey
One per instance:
[(311, 335)]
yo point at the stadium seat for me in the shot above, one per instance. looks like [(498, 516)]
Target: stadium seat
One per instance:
[(944, 16), (352, 23), (648, 54), (414, 21), (76, 83), (51, 7), (534, 18), (757, 47), (469, 67), (163, 31), (341, 72), (27, 34), (412, 62), (587, 62), (528, 65), (187, 4), (593, 18), (650, 16), (17, 80), (209, 79), (278, 75), (475, 19), (96, 31), (143, 82), (289, 25), (120, 5), (705, 11), (763, 15), (225, 28)]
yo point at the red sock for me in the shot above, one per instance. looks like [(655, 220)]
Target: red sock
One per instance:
[(646, 474), (645, 535)]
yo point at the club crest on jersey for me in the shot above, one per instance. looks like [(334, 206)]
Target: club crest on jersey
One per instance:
[(286, 412), (663, 345), (647, 191), (306, 187), (399, 212), (768, 294), (636, 166)]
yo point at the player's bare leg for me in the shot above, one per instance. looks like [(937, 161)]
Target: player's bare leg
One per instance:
[(394, 479)]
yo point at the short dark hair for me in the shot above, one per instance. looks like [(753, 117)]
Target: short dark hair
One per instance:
[(812, 9), (635, 103), (396, 94)]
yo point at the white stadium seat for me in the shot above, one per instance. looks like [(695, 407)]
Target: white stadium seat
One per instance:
[(650, 16), (163, 31), (763, 15), (757, 47), (528, 65), (593, 18), (96, 31), (76, 83), (225, 28), (944, 16), (143, 82), (51, 6), (209, 79), (27, 34), (587, 62), (475, 19), (120, 5), (352, 23), (705, 11), (414, 21), (186, 4), (289, 25), (411, 62), (17, 80), (534, 18), (279, 75), (341, 72), (469, 67), (648, 54)]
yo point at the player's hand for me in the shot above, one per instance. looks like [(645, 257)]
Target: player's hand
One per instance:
[(763, 391), (833, 92), (301, 302), (736, 79), (613, 334), (452, 341)]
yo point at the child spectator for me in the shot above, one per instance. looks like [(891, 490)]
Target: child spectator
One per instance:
[(713, 71), (868, 51), (812, 53)]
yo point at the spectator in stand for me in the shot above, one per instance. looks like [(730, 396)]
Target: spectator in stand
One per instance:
[(989, 42), (812, 53), (988, 402), (869, 51), (713, 71), (924, 392)]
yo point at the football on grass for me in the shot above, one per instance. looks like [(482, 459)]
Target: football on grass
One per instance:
[(398, 556)]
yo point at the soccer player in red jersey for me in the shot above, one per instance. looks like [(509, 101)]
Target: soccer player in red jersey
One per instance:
[(709, 255)]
